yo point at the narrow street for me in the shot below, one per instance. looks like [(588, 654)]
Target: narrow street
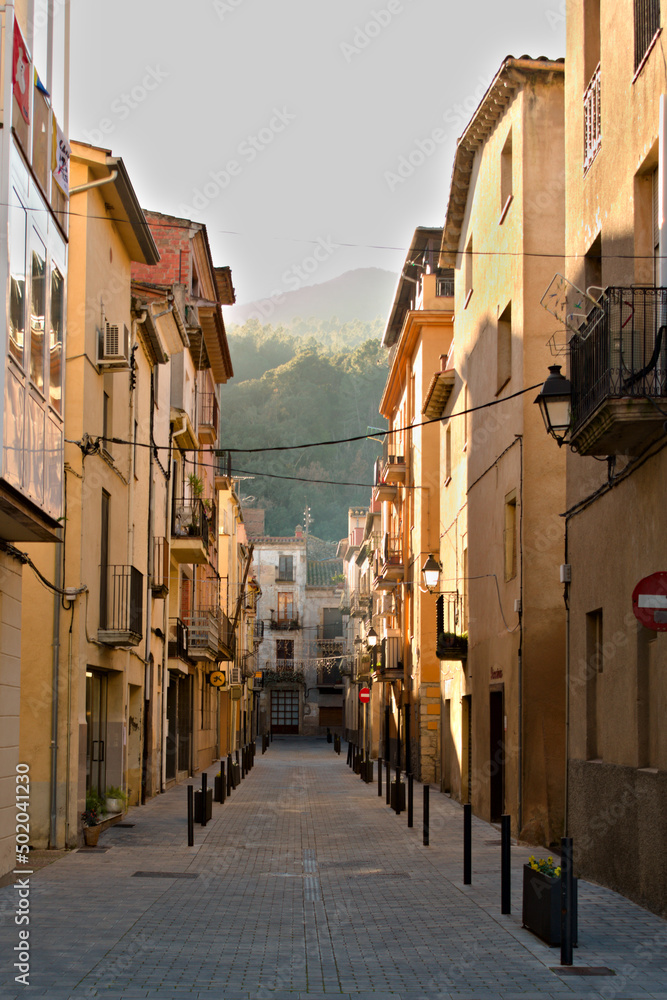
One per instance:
[(305, 884)]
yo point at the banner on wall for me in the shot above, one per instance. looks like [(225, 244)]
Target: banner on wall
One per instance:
[(21, 74), (62, 152)]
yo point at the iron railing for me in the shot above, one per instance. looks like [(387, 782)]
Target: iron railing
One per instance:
[(178, 639), (647, 22), (190, 519), (208, 410), (620, 351), (284, 623), (226, 635), (121, 604), (258, 631), (592, 120), (392, 550), (203, 633), (444, 287), (359, 604)]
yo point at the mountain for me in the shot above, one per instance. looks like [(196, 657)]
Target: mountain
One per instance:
[(363, 294)]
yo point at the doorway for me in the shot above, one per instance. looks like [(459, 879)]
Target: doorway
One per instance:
[(285, 711), (497, 755), (96, 731)]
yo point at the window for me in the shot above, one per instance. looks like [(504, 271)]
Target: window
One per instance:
[(37, 312), (57, 327), (504, 348), (285, 654), (448, 455), (135, 448), (285, 607), (506, 177), (591, 82), (17, 248), (647, 24), (593, 267), (655, 226), (104, 557), (107, 414), (510, 536), (468, 261), (594, 664), (466, 415), (286, 568)]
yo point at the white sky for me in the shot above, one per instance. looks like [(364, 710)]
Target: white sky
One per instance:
[(334, 93)]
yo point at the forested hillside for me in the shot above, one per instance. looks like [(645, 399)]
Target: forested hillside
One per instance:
[(297, 385)]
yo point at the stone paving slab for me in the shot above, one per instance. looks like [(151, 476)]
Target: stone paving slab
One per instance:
[(307, 886)]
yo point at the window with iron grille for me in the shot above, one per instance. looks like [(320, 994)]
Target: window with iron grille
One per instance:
[(647, 23), (592, 120)]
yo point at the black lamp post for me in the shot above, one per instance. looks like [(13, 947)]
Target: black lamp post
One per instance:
[(554, 401)]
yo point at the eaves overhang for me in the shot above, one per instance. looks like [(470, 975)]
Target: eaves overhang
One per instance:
[(511, 77), (437, 394), (414, 323), (408, 280)]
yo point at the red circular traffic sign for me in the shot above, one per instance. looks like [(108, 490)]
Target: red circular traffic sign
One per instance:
[(364, 695), (649, 601)]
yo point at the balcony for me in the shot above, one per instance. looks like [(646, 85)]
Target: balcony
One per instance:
[(203, 634), (160, 572), (592, 120), (258, 632), (284, 623), (618, 370), (391, 664), (226, 636), (121, 606), (329, 676), (189, 531), (344, 603), (389, 563), (207, 417), (385, 606), (178, 639), (359, 604), (330, 647)]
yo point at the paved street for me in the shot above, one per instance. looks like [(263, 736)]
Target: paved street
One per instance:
[(305, 884)]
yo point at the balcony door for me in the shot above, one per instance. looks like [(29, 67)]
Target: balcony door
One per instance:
[(96, 730)]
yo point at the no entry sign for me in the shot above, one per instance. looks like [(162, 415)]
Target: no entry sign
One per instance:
[(364, 695), (649, 601)]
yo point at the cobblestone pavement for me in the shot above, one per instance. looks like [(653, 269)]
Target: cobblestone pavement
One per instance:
[(305, 884)]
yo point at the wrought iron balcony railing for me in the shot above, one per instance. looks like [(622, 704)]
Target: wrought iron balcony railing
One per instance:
[(285, 623), (226, 636), (203, 634), (647, 23), (258, 631), (208, 410), (178, 639), (121, 606), (329, 675), (620, 352), (160, 573), (190, 519)]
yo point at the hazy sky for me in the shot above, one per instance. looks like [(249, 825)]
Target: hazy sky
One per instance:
[(282, 124)]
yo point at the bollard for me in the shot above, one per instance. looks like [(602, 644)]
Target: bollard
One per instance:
[(505, 865), (566, 901), (204, 797), (222, 782), (410, 801), (467, 844), (380, 777), (229, 774), (397, 803), (349, 754), (369, 771), (238, 763), (191, 816), (387, 776), (218, 782), (426, 811)]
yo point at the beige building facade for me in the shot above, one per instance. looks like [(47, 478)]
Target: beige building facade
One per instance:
[(616, 249), (502, 492)]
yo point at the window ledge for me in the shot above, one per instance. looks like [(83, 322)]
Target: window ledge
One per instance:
[(468, 298), (647, 54)]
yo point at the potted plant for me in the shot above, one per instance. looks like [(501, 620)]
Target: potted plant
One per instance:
[(90, 818), (451, 646), (116, 799), (541, 900)]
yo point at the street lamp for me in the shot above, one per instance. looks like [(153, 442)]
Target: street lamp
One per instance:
[(372, 637), (554, 401), (431, 573)]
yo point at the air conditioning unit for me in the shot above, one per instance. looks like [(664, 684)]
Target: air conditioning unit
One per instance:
[(113, 345)]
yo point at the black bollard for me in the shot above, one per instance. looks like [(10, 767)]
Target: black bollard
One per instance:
[(204, 796), (191, 816), (397, 803), (222, 782), (229, 774), (380, 777), (238, 763), (349, 754), (566, 901), (505, 866), (467, 844), (410, 801), (427, 820), (387, 776)]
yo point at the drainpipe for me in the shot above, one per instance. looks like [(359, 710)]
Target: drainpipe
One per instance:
[(56, 684), (109, 179)]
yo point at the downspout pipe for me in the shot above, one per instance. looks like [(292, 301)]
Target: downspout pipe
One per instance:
[(109, 179), (55, 687), (662, 196)]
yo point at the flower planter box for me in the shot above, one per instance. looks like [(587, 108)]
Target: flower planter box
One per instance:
[(91, 834), (541, 906), (451, 647)]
